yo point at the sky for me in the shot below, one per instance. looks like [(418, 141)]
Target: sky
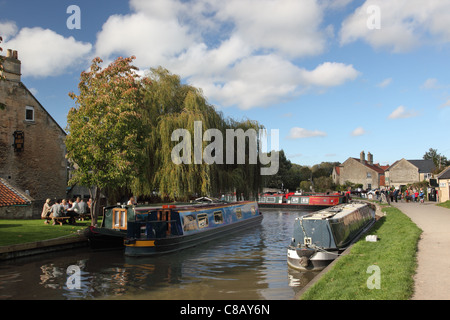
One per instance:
[(334, 77)]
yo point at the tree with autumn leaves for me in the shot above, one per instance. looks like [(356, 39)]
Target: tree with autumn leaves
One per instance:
[(119, 136), (106, 134)]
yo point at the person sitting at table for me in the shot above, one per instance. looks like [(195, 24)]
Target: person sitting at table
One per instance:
[(46, 210), (74, 210), (56, 211)]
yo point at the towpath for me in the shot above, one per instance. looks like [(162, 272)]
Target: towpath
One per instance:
[(432, 281)]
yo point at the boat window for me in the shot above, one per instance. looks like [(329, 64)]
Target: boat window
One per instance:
[(294, 200), (218, 217), (202, 220), (239, 213), (119, 216), (270, 199), (253, 210), (189, 223)]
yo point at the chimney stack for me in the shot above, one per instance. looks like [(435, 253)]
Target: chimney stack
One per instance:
[(362, 157), (370, 158), (11, 66)]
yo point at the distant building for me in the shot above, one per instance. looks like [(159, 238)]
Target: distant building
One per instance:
[(404, 172), (32, 149), (444, 185), (360, 171)]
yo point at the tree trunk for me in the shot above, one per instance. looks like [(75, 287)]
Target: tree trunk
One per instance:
[(95, 207)]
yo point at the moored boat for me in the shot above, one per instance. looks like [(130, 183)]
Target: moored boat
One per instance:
[(113, 229), (171, 229), (313, 201), (319, 237)]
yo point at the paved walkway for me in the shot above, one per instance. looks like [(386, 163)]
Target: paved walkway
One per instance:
[(432, 281)]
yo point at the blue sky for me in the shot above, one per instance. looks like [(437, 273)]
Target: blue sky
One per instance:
[(313, 69)]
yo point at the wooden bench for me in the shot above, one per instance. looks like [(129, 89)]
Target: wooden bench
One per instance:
[(59, 220)]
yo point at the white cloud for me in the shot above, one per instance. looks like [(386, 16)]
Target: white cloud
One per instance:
[(8, 29), (405, 24), (300, 133), (358, 132), (239, 52), (401, 112), (288, 27), (329, 74), (44, 53), (385, 83)]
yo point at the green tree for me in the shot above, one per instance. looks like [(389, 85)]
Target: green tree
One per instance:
[(106, 134), (171, 105), (439, 160)]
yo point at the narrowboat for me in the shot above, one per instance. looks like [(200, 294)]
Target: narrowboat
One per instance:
[(313, 201), (174, 228), (319, 237), (113, 229)]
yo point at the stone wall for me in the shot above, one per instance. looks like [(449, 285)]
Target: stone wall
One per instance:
[(354, 171), (16, 212), (403, 173), (41, 167)]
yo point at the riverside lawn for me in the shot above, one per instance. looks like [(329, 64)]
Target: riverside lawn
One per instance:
[(23, 231), (394, 253)]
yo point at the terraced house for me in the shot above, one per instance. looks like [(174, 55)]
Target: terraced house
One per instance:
[(360, 171), (32, 149), (404, 172)]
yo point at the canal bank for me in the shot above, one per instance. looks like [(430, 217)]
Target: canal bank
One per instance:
[(43, 246)]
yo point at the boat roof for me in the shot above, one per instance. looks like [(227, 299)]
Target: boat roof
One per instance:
[(338, 211)]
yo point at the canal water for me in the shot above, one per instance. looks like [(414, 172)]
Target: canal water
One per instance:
[(248, 266)]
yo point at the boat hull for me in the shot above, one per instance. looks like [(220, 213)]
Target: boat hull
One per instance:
[(152, 247)]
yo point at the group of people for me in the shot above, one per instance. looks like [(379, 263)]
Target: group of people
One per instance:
[(414, 195), (410, 194), (65, 208)]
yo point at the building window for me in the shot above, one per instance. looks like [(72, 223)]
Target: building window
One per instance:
[(369, 175), (29, 113)]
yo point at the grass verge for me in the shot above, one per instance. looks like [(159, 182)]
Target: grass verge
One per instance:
[(394, 254), (23, 231), (445, 204)]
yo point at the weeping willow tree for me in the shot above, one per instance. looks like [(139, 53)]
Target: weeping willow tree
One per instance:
[(121, 137), (169, 106)]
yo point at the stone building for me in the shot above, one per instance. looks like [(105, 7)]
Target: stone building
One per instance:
[(403, 172), (444, 185), (32, 149), (360, 171)]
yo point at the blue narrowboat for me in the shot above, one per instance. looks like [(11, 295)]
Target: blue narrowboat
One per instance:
[(319, 237), (172, 228)]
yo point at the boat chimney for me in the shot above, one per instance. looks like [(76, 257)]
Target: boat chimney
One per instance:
[(362, 157)]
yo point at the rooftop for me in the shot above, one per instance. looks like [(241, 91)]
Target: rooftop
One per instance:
[(10, 196)]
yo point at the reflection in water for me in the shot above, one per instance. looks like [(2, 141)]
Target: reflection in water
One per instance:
[(251, 265)]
